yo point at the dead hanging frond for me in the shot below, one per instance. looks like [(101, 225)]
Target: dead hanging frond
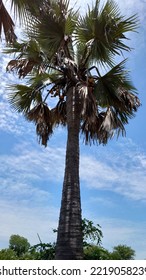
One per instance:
[(42, 117), (110, 125), (7, 24), (131, 101), (59, 114), (29, 57), (22, 66), (105, 125), (90, 130), (88, 103)]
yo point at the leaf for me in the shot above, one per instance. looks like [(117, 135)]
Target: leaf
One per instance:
[(115, 89), (22, 97), (22, 67), (54, 24), (59, 114), (26, 10), (41, 115), (105, 125), (7, 24), (30, 57), (102, 31)]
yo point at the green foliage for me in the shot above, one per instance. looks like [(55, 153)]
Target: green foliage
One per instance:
[(8, 254), (103, 31), (18, 244), (43, 251), (122, 252), (91, 232), (23, 98), (93, 252), (19, 247)]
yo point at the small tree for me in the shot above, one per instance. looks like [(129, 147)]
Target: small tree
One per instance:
[(122, 252), (19, 244)]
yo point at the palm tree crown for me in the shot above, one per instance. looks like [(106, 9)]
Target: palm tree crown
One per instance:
[(64, 49), (64, 56)]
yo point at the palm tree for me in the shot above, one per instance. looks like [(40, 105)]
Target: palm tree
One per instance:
[(71, 57)]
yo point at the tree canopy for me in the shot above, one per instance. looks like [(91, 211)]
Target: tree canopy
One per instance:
[(64, 47), (19, 244)]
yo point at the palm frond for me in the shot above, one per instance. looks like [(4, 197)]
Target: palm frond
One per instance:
[(22, 97), (7, 24), (23, 67), (116, 102), (88, 102), (15, 48), (106, 124), (103, 31), (115, 89), (41, 116), (54, 28), (49, 33), (26, 10), (111, 124), (29, 57), (59, 114)]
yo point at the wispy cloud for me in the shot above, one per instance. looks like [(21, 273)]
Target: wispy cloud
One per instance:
[(123, 172), (24, 171)]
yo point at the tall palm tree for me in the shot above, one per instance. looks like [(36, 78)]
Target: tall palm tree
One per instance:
[(71, 57)]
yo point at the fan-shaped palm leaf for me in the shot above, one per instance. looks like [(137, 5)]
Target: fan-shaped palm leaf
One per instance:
[(22, 98), (102, 32), (54, 28), (115, 89), (115, 103), (26, 10)]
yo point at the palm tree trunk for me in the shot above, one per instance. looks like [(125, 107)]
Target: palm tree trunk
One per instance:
[(69, 240)]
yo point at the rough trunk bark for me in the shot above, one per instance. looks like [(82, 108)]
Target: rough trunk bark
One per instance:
[(69, 239)]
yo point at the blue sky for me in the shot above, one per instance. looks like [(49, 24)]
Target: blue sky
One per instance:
[(113, 177)]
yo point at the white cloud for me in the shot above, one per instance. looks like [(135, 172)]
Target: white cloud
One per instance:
[(23, 171), (97, 173), (122, 172)]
